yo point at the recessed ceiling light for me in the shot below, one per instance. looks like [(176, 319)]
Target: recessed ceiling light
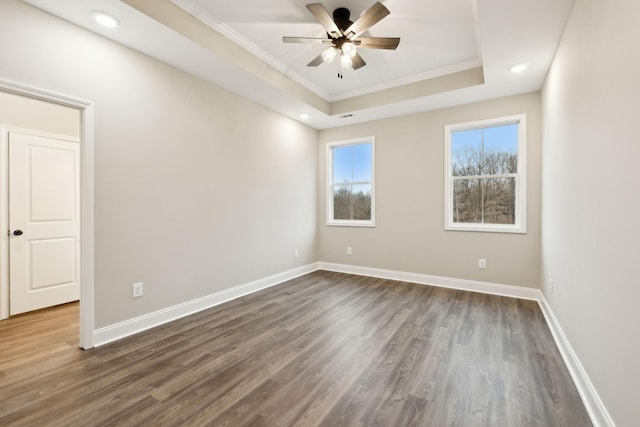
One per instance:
[(106, 20), (518, 68), (304, 116)]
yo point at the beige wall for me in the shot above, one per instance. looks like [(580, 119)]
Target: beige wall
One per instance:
[(409, 234), (196, 189), (591, 202)]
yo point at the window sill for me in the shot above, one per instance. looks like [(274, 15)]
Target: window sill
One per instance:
[(487, 228), (365, 224)]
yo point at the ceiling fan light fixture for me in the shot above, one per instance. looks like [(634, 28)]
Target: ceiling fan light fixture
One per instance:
[(345, 61), (349, 49), (329, 54)]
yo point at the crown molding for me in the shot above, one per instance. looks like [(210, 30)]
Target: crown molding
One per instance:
[(205, 17), (413, 78)]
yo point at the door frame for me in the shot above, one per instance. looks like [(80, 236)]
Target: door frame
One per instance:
[(86, 108)]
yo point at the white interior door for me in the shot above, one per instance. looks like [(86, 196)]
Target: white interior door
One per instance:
[(44, 226)]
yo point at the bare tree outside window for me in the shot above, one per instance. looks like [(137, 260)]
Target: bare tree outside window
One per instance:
[(483, 174), (351, 183)]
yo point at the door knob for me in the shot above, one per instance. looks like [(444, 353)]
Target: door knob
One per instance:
[(17, 233)]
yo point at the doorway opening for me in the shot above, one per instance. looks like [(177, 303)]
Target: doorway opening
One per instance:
[(85, 214)]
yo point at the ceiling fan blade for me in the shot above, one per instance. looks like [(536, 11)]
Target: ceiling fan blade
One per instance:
[(378, 42), (369, 18), (321, 14), (316, 61), (306, 40), (357, 61)]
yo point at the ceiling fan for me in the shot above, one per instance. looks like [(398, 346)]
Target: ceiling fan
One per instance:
[(343, 35)]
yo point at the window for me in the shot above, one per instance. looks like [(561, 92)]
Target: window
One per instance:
[(350, 183), (485, 182)]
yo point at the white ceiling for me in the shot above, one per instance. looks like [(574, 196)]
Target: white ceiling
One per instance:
[(435, 36), (439, 38)]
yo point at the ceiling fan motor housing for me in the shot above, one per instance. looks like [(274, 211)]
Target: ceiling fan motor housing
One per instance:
[(341, 18)]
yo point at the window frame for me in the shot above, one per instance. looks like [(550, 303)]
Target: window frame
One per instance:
[(330, 184), (520, 204)]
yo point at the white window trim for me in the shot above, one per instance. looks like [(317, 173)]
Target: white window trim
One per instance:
[(521, 177), (329, 193)]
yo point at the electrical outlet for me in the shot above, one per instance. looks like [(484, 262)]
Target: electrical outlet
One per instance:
[(349, 250), (482, 263), (137, 290), (551, 286), (295, 253)]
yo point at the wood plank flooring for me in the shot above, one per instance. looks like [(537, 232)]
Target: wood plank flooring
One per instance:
[(326, 349)]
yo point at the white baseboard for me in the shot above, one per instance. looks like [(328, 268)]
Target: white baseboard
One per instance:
[(443, 282), (132, 326), (593, 404), (595, 407)]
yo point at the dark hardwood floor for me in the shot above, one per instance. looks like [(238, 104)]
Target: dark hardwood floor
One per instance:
[(325, 349)]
